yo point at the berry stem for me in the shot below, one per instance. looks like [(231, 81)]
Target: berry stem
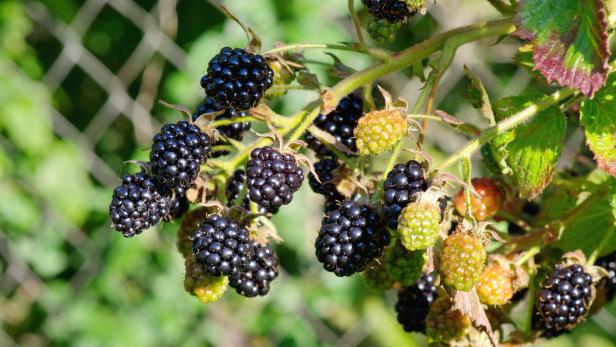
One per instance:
[(502, 7), (356, 24)]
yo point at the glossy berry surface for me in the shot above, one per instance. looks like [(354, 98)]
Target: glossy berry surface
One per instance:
[(221, 246), (339, 123), (254, 279), (324, 169), (495, 286), (235, 186), (237, 79), (138, 203), (272, 177), (393, 11), (462, 260), (379, 131), (414, 303), (608, 262), (419, 225), (233, 131), (564, 299), (350, 237), (178, 152), (403, 182), (487, 204)]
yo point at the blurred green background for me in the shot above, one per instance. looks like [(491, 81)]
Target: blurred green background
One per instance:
[(79, 84)]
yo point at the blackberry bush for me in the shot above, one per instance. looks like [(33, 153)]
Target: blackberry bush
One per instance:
[(350, 237), (237, 79), (221, 246), (414, 303), (178, 152), (272, 177), (138, 203)]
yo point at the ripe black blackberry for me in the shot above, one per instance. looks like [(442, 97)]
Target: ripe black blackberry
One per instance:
[(564, 299), (394, 11), (178, 205), (414, 303), (138, 203), (325, 172), (608, 262), (255, 278), (235, 186), (350, 237), (178, 152), (272, 177), (237, 79), (340, 123), (232, 131), (221, 246), (401, 184)]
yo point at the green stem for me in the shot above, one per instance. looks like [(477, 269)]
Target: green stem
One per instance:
[(604, 240), (507, 124), (502, 7), (356, 25), (528, 255)]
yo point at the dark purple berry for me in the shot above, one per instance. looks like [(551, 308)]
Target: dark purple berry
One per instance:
[(233, 131), (394, 11), (414, 303), (235, 186), (608, 262), (324, 170), (255, 278), (403, 182)]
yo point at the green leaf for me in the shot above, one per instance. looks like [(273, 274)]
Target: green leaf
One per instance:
[(570, 41), (599, 122), (529, 152), (479, 96)]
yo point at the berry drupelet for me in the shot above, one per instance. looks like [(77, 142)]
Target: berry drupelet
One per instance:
[(255, 278), (178, 152), (564, 299), (414, 303), (324, 170), (272, 177), (401, 185), (235, 186), (138, 203), (221, 246), (233, 131), (350, 237), (608, 262), (237, 79), (393, 11), (178, 205), (339, 123)]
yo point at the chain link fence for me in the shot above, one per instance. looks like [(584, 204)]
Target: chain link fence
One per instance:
[(33, 306)]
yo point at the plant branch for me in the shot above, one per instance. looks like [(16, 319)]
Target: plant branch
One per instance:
[(356, 24), (502, 7)]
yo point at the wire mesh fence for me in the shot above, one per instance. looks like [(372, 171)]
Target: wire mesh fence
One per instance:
[(113, 104)]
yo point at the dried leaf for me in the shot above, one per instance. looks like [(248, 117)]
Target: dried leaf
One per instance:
[(468, 303), (254, 42)]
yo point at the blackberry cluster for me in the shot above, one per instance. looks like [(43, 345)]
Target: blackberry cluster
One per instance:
[(237, 79), (221, 246), (324, 170), (138, 203), (401, 184), (255, 278), (272, 177), (231, 131), (177, 154), (414, 303), (608, 262), (339, 123), (564, 299), (394, 11), (350, 237)]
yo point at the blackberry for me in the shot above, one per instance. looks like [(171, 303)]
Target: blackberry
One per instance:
[(325, 171), (237, 79), (254, 279), (221, 246), (178, 152), (377, 277), (350, 237), (401, 185), (564, 299), (414, 303), (608, 262), (393, 11), (178, 205), (339, 123), (235, 186), (381, 30), (231, 131), (138, 203), (402, 265), (272, 177), (205, 287)]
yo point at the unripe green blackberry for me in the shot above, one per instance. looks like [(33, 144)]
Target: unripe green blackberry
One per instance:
[(462, 260), (402, 265), (379, 131), (445, 323), (377, 277), (418, 225), (205, 287), (381, 30)]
